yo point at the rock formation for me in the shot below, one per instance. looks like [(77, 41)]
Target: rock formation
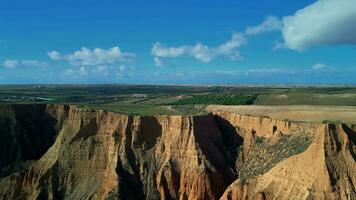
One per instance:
[(65, 152)]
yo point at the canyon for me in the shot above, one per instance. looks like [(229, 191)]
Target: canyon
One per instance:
[(55, 152)]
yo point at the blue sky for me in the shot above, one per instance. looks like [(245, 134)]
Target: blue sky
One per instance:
[(178, 42)]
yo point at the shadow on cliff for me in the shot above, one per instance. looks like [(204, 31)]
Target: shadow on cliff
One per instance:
[(218, 141), (26, 133), (136, 162), (86, 131), (233, 142), (351, 133), (334, 143)]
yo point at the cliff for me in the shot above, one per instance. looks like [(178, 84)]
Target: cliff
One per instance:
[(64, 152), (325, 170)]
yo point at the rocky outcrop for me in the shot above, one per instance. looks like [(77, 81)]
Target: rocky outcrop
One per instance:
[(326, 170), (64, 152)]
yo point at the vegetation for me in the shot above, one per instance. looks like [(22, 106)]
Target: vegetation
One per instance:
[(217, 99), (265, 154), (259, 140), (145, 99), (137, 109), (190, 109), (331, 122)]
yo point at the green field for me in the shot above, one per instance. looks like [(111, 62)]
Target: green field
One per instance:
[(174, 100), (219, 99)]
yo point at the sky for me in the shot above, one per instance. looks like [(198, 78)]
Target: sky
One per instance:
[(178, 42)]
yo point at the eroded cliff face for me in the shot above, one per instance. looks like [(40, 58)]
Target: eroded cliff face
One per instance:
[(326, 169), (64, 152)]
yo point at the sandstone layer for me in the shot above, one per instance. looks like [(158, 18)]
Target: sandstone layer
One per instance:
[(65, 152)]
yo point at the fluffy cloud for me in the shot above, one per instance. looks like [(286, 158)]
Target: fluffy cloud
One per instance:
[(11, 63), (97, 56), (75, 73), (270, 24), (326, 22), (97, 71), (23, 63), (158, 61), (318, 66), (200, 51), (121, 72), (83, 71), (124, 71), (102, 70), (54, 55)]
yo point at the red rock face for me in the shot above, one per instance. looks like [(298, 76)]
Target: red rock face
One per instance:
[(93, 154)]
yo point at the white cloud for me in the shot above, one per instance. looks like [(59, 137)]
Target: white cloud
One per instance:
[(200, 51), (124, 71), (235, 56), (93, 63), (76, 73), (122, 68), (33, 63), (325, 22), (97, 56), (228, 49), (265, 71), (54, 55), (160, 50), (69, 73), (24, 63), (270, 24), (278, 45), (83, 71), (318, 66), (11, 63), (79, 72), (158, 61), (102, 70)]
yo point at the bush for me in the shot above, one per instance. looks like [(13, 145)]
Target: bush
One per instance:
[(259, 140), (265, 154), (331, 122), (218, 99)]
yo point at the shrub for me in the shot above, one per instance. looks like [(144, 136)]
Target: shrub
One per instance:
[(218, 99)]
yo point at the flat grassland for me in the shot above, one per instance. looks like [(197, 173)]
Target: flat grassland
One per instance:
[(299, 103), (301, 113)]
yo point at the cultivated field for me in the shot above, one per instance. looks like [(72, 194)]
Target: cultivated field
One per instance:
[(301, 103)]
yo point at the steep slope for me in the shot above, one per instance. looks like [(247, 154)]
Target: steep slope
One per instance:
[(100, 155), (326, 170), (64, 152), (27, 131)]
